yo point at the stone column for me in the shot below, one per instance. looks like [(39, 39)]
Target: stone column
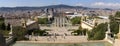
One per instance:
[(63, 22), (81, 19), (11, 28), (108, 31), (11, 31), (55, 22), (109, 28), (94, 22), (60, 21), (106, 35)]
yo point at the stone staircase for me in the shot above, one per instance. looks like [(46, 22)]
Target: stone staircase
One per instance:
[(60, 38)]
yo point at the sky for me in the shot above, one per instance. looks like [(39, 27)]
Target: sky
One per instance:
[(86, 3)]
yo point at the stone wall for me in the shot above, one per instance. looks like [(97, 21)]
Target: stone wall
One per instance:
[(33, 26)]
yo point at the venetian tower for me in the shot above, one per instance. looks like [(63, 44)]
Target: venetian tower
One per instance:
[(23, 22), (95, 22)]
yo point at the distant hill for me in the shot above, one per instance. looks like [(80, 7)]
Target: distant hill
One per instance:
[(35, 8)]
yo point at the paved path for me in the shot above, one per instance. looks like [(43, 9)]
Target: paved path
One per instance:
[(117, 42), (60, 39)]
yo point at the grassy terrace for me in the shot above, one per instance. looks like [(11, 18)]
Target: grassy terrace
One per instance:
[(3, 28), (4, 32)]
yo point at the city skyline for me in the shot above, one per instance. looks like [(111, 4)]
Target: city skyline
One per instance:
[(38, 3)]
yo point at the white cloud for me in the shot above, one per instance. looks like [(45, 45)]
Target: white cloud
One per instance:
[(106, 5), (78, 4)]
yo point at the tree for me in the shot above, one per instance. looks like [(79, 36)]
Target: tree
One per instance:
[(80, 31), (117, 14), (84, 31), (99, 35), (8, 27), (42, 20), (2, 19), (2, 26), (98, 32), (114, 26), (40, 32), (19, 32), (76, 20)]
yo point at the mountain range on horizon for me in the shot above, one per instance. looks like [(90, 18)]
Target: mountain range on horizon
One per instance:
[(50, 6)]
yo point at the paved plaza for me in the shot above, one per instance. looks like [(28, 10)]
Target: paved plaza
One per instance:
[(59, 32)]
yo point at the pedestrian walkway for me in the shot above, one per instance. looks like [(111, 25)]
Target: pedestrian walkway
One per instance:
[(117, 42), (59, 38)]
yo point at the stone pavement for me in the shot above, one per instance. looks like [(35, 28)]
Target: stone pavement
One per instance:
[(117, 42), (59, 39)]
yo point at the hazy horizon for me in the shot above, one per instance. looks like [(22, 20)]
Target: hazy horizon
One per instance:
[(114, 4)]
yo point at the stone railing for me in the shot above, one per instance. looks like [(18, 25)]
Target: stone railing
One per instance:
[(9, 40), (110, 39)]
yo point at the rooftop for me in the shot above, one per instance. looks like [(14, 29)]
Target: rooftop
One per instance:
[(104, 17), (30, 22)]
